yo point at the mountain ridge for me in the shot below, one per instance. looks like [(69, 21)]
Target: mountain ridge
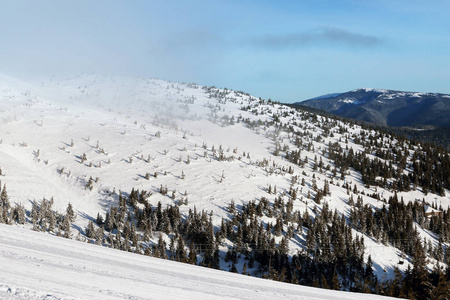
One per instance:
[(387, 107)]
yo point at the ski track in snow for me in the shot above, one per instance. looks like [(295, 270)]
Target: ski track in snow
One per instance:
[(40, 266)]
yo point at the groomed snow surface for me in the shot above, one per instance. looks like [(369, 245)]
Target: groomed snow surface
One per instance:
[(40, 266)]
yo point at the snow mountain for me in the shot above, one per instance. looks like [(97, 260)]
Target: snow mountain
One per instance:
[(219, 178), (387, 107)]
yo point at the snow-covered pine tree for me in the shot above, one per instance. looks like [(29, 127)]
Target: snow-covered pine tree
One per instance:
[(4, 204), (70, 213)]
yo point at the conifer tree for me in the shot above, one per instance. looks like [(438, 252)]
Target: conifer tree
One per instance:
[(421, 286), (66, 227), (35, 215), (161, 248), (395, 287), (148, 232), (2, 220), (90, 230), (51, 222), (442, 289), (18, 215), (335, 283), (4, 199), (192, 255), (70, 213), (4, 205), (180, 250)]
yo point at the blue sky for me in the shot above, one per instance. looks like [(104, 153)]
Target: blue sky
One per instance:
[(284, 50)]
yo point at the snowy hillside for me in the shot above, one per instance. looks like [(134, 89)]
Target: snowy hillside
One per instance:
[(37, 266), (218, 178)]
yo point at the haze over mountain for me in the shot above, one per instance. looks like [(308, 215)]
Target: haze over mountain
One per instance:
[(387, 107)]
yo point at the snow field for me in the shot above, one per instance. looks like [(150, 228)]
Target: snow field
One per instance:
[(40, 266)]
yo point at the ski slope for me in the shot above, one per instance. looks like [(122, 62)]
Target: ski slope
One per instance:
[(41, 266)]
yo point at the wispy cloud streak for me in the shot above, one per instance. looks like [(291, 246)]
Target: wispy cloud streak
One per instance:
[(323, 36)]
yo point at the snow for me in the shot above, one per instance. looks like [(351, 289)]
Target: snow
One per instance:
[(417, 95), (41, 266), (371, 90), (351, 101), (347, 100), (123, 116)]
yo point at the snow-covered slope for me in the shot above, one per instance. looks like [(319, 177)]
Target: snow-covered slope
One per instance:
[(87, 140), (119, 123), (39, 266)]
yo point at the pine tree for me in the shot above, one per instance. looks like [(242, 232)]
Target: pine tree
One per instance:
[(442, 290), (66, 227), (109, 222), (368, 273), (18, 214), (161, 248), (99, 235), (421, 286), (51, 222), (4, 205), (2, 220), (283, 247), (99, 219), (192, 255), (70, 213), (35, 215), (148, 233), (395, 287), (4, 199), (180, 250), (90, 230), (335, 283)]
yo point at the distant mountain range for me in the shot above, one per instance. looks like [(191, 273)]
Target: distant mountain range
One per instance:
[(387, 107)]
